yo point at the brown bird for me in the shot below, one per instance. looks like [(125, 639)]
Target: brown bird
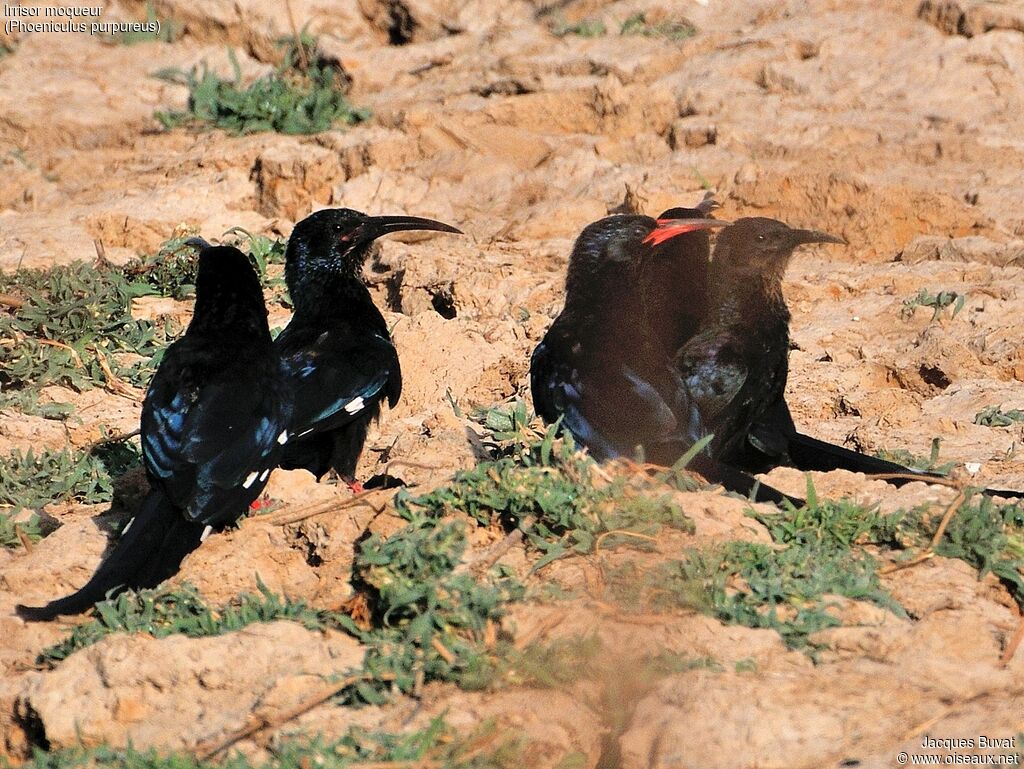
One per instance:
[(736, 364)]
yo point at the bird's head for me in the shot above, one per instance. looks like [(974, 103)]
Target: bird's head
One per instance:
[(761, 245), (609, 245), (337, 240), (702, 210), (229, 297)]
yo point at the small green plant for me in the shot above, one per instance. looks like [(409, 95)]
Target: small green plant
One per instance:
[(431, 621), (832, 525), (784, 586), (552, 665), (984, 533), (27, 401), (929, 464), (163, 31), (542, 485), (436, 745), (994, 416), (166, 611), (75, 328), (12, 531), (585, 28), (937, 302), (304, 95), (263, 251), (171, 271), (33, 479), (637, 24)]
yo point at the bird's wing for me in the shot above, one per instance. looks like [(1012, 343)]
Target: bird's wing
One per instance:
[(337, 377), (560, 391), (549, 380), (711, 374), (211, 447), (607, 406)]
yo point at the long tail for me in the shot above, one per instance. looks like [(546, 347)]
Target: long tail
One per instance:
[(807, 453), (739, 482), (150, 551)]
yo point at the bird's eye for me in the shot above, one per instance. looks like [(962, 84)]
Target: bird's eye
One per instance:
[(760, 238)]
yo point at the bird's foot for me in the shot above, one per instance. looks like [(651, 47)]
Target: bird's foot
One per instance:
[(260, 504), (356, 487)]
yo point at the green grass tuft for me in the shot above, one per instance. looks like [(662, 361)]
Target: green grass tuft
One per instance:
[(637, 24), (73, 316), (929, 464), (166, 31), (994, 416), (988, 535), (785, 586), (437, 744), (27, 402), (291, 100), (33, 479), (585, 28), (552, 665), (166, 611), (554, 493), (430, 622), (9, 529), (937, 302), (171, 271)]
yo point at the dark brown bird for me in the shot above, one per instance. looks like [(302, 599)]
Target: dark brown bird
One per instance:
[(676, 290), (736, 364), (602, 371)]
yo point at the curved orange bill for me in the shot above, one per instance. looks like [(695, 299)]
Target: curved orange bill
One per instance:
[(669, 228)]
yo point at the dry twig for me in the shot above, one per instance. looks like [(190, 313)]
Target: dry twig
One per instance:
[(9, 300), (206, 751), (929, 551), (621, 533)]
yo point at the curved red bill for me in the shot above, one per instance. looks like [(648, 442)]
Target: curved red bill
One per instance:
[(670, 228)]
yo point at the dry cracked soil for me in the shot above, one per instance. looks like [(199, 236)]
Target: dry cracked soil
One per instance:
[(893, 123)]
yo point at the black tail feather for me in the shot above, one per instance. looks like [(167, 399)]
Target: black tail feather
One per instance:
[(739, 482), (147, 553), (807, 453)]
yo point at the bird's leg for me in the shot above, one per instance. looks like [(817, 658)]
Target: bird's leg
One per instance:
[(260, 503), (335, 478)]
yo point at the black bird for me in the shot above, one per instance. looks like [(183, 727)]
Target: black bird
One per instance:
[(600, 369), (337, 349), (213, 426)]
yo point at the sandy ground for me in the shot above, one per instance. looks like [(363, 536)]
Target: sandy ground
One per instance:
[(894, 124)]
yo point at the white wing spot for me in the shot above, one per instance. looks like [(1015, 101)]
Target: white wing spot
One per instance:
[(354, 405), (127, 525), (250, 479), (264, 475), (305, 432), (206, 533), (283, 437)]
